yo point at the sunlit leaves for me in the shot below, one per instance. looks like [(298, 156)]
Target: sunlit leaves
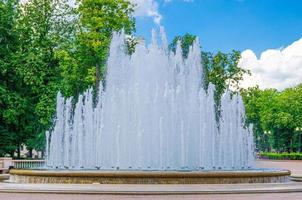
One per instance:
[(276, 112)]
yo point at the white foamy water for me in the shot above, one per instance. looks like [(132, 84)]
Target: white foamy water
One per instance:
[(152, 114)]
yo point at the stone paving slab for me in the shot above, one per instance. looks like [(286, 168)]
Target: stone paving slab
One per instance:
[(295, 166), (152, 189), (265, 196), (4, 177), (297, 178)]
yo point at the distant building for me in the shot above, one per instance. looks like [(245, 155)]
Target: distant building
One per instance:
[(25, 153)]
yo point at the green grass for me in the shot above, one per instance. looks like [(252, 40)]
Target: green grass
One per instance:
[(281, 156)]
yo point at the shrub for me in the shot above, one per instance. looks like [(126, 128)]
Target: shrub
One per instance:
[(280, 156)]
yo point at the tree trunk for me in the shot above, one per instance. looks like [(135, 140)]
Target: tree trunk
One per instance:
[(30, 153), (97, 75), (300, 142), (19, 151)]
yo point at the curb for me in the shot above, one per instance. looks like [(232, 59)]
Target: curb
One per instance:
[(296, 178), (4, 177), (149, 190)]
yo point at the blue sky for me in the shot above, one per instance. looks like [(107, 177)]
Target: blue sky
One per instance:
[(228, 24), (267, 32)]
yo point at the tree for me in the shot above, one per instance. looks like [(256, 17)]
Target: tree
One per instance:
[(15, 112), (220, 69), (275, 115), (7, 45), (41, 25), (258, 104), (287, 117), (186, 41), (83, 64), (30, 77), (47, 46)]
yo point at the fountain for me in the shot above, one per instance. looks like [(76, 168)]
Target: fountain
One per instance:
[(153, 121)]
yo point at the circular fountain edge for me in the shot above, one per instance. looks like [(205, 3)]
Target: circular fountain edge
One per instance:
[(148, 177)]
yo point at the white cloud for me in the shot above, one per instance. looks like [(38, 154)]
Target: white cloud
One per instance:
[(150, 8), (147, 8), (276, 68)]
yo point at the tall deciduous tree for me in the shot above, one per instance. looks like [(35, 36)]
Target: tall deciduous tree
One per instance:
[(41, 27), (15, 106), (276, 115), (47, 46), (220, 69), (83, 64)]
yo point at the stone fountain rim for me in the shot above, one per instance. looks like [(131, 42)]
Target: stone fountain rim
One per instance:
[(152, 174)]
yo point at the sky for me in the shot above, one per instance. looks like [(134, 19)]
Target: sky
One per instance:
[(267, 32)]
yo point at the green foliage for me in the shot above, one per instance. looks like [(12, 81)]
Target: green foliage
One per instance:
[(131, 43), (220, 69), (42, 26), (186, 42), (39, 26), (281, 156), (223, 71), (47, 46), (13, 103), (83, 62), (275, 115)]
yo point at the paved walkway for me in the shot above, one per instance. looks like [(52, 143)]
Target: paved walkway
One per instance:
[(295, 166), (281, 196), (154, 189)]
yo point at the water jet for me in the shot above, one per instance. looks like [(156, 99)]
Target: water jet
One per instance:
[(154, 121)]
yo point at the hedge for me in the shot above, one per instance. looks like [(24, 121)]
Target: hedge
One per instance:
[(280, 156)]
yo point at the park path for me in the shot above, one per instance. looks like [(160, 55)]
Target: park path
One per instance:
[(274, 196), (295, 166)]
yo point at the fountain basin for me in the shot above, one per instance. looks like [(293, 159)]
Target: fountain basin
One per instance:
[(148, 177)]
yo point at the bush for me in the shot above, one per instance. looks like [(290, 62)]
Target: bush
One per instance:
[(280, 156)]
